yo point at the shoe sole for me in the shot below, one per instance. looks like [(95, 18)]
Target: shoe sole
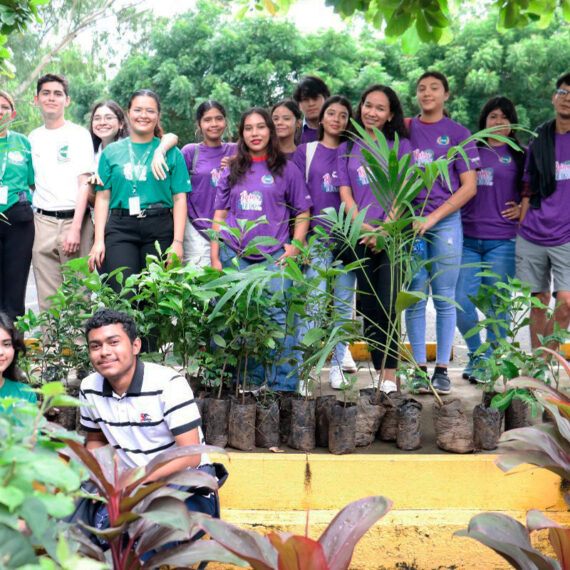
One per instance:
[(443, 392), (423, 390), (350, 370)]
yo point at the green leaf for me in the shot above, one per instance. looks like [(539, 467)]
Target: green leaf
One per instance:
[(313, 335), (15, 549), (12, 497), (219, 341), (405, 299)]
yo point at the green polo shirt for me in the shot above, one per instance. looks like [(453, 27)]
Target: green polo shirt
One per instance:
[(12, 389), (128, 176), (18, 175)]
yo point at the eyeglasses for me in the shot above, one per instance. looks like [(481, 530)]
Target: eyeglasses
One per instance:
[(562, 92)]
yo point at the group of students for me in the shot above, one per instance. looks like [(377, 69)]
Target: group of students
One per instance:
[(146, 190)]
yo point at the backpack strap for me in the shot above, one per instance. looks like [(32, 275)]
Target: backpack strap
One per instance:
[(311, 149), (195, 158)]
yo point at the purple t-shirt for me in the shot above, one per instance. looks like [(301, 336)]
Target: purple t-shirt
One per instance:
[(259, 193), (205, 178), (308, 134), (497, 183), (431, 141), (323, 178), (352, 172), (550, 224)]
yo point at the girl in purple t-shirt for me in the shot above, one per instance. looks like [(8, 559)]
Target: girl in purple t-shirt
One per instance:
[(205, 162), (439, 236), (489, 222), (287, 118), (318, 160), (379, 108), (260, 181)]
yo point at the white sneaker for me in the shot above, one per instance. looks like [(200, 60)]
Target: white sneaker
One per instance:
[(348, 364), (373, 385), (336, 378), (388, 386), (303, 389)]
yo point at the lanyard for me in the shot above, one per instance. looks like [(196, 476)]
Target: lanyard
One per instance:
[(5, 158), (137, 168)]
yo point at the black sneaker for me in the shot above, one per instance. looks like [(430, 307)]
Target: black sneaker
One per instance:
[(419, 383), (441, 383)]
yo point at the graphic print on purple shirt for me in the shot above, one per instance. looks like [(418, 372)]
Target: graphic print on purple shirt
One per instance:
[(258, 194), (352, 172), (550, 224), (323, 179), (205, 179), (431, 141), (497, 183)]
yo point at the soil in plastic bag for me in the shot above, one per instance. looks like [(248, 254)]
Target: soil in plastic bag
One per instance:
[(453, 432), (389, 426), (217, 414), (368, 418), (342, 428), (303, 425), (516, 415), (486, 427), (67, 417), (241, 432), (267, 425), (202, 403), (285, 415), (409, 418), (322, 414)]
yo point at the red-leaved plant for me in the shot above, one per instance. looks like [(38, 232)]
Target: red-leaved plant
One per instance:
[(547, 446), (145, 517)]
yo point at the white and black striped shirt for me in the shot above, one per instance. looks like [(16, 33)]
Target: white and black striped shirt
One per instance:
[(140, 424)]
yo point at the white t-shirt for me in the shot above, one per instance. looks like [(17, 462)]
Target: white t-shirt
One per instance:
[(59, 157)]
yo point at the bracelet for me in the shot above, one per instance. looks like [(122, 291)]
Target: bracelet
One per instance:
[(178, 241)]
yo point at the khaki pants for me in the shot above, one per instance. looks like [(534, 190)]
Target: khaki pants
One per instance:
[(48, 256)]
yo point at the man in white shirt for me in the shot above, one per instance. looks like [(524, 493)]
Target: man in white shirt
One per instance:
[(62, 154)]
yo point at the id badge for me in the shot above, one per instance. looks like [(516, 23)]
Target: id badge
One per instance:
[(3, 194), (134, 206)]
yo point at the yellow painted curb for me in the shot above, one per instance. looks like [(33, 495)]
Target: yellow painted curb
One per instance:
[(359, 351), (433, 496)]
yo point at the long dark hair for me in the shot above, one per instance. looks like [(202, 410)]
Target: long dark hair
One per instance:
[(341, 100), (17, 338), (394, 126), (118, 112), (508, 108), (148, 93), (276, 160)]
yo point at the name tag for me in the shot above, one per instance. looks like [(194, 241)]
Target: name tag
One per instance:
[(3, 194), (134, 206)]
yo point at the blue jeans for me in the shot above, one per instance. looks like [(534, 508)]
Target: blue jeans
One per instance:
[(442, 244), (280, 376), (499, 257), (343, 295)]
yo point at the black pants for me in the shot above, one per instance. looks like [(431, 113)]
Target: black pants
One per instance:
[(128, 240), (16, 241), (378, 304)]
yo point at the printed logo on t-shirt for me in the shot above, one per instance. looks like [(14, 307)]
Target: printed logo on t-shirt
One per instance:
[(63, 153), (443, 140), (485, 177), (563, 170), (505, 159), (215, 177), (423, 157), (250, 201), (362, 176), (145, 418), (327, 185), (16, 157), (140, 172), (267, 179)]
